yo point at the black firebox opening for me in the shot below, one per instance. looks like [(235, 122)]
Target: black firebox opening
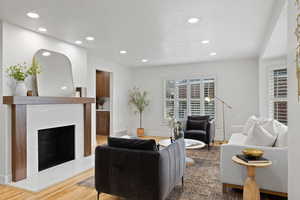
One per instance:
[(56, 146)]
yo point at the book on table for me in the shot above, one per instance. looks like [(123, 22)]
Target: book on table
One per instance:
[(252, 160)]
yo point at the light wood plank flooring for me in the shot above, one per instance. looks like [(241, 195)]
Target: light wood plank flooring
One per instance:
[(67, 190)]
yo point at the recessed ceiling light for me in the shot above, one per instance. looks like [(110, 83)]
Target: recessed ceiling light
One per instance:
[(90, 38), (213, 54), (78, 42), (144, 60), (46, 53), (33, 15), (193, 20), (123, 52), (205, 41), (42, 29)]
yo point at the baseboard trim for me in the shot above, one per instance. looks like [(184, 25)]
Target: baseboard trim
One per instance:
[(227, 186), (4, 179)]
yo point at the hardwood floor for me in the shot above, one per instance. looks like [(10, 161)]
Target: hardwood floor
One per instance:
[(67, 190)]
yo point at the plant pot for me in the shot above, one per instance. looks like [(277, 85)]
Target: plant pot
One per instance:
[(21, 89), (140, 132)]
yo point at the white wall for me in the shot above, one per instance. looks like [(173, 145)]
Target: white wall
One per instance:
[(2, 135), (236, 83), (294, 109), (265, 65)]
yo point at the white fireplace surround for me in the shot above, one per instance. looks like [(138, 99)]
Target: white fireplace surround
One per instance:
[(50, 116)]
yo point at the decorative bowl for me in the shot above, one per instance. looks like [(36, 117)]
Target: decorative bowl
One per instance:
[(253, 153)]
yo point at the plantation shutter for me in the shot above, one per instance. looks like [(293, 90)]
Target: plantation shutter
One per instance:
[(181, 99), (209, 91), (187, 97), (278, 95), (195, 97)]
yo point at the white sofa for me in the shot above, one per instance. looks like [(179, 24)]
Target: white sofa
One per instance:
[(273, 179)]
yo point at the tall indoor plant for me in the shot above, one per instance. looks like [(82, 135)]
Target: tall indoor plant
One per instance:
[(139, 100)]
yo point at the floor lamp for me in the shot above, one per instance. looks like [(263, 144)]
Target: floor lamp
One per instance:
[(209, 99)]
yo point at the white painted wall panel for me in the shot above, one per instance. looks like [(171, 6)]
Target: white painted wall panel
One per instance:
[(293, 108)]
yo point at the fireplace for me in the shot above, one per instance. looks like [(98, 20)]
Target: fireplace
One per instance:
[(55, 146)]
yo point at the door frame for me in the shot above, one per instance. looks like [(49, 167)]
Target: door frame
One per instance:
[(111, 99)]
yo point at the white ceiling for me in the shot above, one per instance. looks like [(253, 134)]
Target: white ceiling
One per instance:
[(151, 29), (277, 44)]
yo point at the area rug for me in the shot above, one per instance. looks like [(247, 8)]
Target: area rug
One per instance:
[(202, 180)]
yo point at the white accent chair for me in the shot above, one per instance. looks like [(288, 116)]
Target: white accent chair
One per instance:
[(272, 180)]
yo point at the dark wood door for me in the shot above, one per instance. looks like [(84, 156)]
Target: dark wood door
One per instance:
[(102, 84), (103, 121), (106, 84)]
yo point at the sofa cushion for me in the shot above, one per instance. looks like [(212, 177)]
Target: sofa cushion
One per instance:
[(196, 125), (278, 130), (132, 143), (249, 124), (238, 139), (282, 139), (259, 136), (195, 134), (270, 126)]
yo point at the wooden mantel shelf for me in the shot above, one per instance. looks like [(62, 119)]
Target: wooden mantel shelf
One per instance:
[(35, 100), (19, 127)]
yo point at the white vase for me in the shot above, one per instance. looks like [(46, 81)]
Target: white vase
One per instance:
[(20, 89)]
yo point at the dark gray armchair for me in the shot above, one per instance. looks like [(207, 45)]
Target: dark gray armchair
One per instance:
[(139, 174), (200, 128)]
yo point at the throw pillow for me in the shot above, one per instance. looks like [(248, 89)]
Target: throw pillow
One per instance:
[(282, 139), (249, 124), (196, 125), (259, 136), (270, 126), (132, 143)]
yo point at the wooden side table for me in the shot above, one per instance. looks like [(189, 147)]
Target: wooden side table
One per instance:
[(251, 189)]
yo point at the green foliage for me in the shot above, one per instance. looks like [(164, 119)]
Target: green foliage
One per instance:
[(138, 99), (35, 68), (18, 72)]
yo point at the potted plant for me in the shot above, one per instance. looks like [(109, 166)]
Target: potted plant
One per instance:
[(20, 72), (138, 99)]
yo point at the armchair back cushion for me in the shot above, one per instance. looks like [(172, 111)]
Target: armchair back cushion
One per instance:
[(196, 117), (132, 143), (196, 125)]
